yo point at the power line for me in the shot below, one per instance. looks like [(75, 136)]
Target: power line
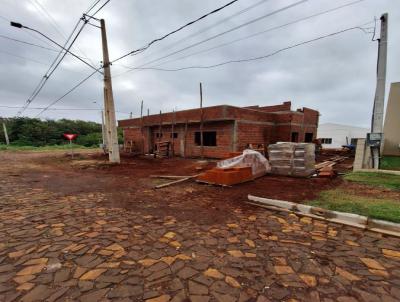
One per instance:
[(27, 32), (56, 26), (52, 22), (259, 57), (174, 31), (33, 44), (27, 43), (92, 6), (262, 32), (57, 61), (23, 58), (59, 109), (225, 32), (85, 79), (67, 93), (209, 27), (50, 71), (101, 7)]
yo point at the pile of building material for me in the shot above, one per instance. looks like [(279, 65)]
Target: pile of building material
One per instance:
[(251, 164), (163, 149), (325, 169), (292, 159)]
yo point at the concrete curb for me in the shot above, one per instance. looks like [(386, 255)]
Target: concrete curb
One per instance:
[(350, 219), (392, 172)]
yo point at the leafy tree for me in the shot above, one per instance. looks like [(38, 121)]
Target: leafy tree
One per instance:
[(25, 131)]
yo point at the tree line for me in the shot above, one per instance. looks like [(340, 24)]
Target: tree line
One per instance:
[(23, 131)]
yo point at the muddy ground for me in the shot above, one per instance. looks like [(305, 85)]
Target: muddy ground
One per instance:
[(129, 184)]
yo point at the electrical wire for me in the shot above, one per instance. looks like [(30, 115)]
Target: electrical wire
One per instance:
[(259, 57), (174, 31), (28, 32), (67, 93), (57, 61), (101, 7), (92, 6), (190, 36), (224, 32), (35, 45), (262, 32), (40, 8), (82, 81), (49, 72), (23, 58), (55, 25), (28, 43), (60, 109)]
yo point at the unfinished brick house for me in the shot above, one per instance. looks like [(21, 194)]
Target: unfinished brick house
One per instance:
[(226, 129)]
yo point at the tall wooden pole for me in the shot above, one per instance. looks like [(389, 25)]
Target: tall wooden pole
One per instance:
[(379, 101), (109, 107), (6, 134), (201, 122)]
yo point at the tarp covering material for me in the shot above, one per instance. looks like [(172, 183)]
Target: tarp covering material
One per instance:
[(250, 158)]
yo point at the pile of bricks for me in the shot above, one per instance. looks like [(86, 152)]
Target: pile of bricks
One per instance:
[(226, 177), (292, 159)]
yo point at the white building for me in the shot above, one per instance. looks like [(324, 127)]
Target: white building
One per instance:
[(336, 135)]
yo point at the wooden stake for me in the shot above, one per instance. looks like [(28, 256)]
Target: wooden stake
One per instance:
[(201, 121), (141, 125), (6, 134), (175, 182), (184, 140), (172, 134)]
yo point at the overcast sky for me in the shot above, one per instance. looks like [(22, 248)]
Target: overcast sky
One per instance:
[(335, 75)]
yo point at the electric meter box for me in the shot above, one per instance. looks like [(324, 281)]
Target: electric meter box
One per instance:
[(374, 139)]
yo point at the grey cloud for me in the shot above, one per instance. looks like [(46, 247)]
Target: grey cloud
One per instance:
[(335, 75)]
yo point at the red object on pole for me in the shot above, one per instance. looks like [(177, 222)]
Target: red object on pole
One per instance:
[(70, 136)]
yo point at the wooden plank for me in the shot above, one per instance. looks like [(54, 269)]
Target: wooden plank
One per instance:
[(170, 176)]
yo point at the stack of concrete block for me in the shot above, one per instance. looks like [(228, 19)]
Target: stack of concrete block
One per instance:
[(292, 159)]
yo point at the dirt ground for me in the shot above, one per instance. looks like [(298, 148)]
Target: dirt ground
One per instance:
[(85, 230), (128, 182)]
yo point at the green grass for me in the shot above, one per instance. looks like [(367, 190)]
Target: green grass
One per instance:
[(390, 163), (344, 201), (42, 149), (388, 181)]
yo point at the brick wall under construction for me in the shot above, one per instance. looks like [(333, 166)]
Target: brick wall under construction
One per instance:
[(226, 129)]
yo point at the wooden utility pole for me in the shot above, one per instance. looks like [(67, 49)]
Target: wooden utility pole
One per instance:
[(201, 122), (379, 101), (6, 134), (109, 107)]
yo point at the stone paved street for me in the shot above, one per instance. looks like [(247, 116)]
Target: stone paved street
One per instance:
[(77, 246)]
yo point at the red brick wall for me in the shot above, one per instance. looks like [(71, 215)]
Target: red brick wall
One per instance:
[(254, 126), (250, 133)]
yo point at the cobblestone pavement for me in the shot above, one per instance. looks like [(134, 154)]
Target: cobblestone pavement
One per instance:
[(74, 248)]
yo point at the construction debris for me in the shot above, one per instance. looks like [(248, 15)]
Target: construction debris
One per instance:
[(325, 169), (245, 167), (163, 149), (182, 179), (170, 176), (292, 159), (354, 220)]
